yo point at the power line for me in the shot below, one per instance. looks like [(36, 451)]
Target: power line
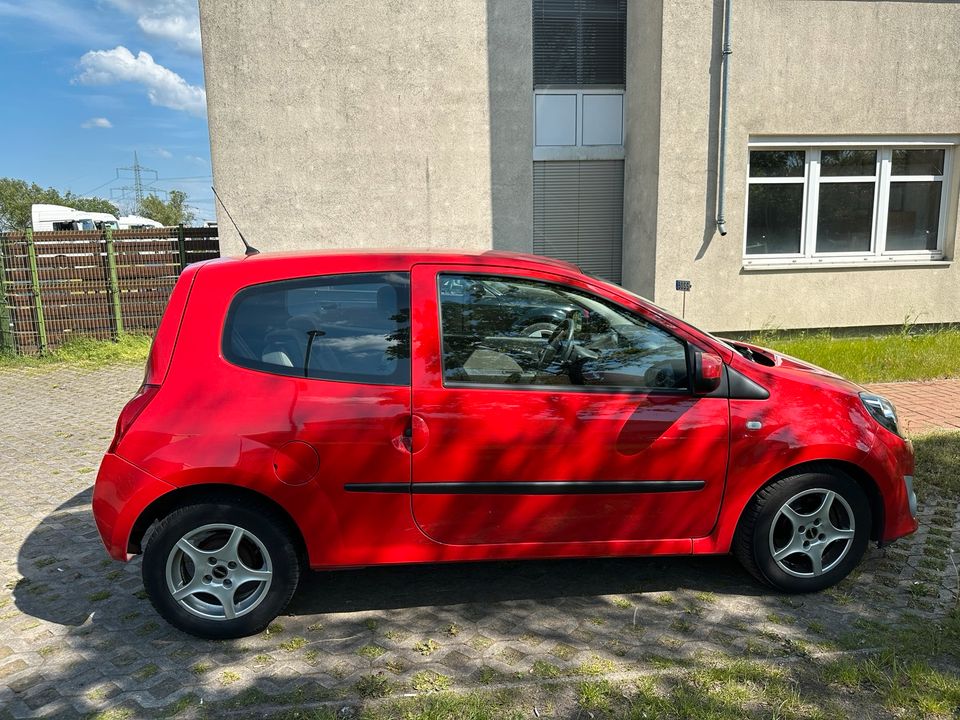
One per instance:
[(138, 171), (113, 179)]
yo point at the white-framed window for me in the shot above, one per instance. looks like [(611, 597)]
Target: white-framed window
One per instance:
[(846, 201)]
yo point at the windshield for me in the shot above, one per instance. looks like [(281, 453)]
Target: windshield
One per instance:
[(86, 225)]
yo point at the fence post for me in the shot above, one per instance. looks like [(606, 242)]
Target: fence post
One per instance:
[(114, 284), (7, 342), (35, 290), (181, 247)]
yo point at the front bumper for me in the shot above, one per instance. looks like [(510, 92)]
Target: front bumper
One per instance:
[(121, 494), (893, 465)]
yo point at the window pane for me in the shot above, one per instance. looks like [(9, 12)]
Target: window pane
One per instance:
[(835, 163), (777, 163), (774, 214), (510, 331), (914, 215), (348, 327), (845, 219), (918, 162)]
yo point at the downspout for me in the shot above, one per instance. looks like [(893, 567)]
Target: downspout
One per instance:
[(724, 91)]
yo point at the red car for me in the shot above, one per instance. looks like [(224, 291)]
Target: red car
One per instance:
[(329, 410)]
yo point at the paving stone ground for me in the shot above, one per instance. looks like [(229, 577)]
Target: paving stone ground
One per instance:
[(77, 636), (924, 406)]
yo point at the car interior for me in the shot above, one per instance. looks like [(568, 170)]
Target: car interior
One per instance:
[(596, 344), (336, 332)]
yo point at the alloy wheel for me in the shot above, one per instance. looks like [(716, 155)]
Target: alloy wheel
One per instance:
[(812, 533), (219, 571)]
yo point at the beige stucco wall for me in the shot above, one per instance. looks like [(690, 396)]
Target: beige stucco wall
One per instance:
[(366, 124), (641, 167), (798, 68)]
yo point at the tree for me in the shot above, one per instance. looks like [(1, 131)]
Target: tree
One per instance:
[(16, 197), (172, 211), (90, 204)]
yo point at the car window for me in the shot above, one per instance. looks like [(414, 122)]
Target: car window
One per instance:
[(514, 331), (339, 327)]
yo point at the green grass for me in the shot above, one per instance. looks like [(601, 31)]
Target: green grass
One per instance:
[(371, 652), (293, 644), (938, 462), (883, 357), (86, 352), (503, 705), (428, 681)]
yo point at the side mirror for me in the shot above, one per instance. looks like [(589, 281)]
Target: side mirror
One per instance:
[(707, 372)]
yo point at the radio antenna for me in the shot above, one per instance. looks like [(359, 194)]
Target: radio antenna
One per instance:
[(250, 249)]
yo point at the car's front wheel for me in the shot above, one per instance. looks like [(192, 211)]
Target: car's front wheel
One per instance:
[(806, 532), (220, 569)]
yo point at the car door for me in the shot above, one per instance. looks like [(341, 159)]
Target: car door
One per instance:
[(513, 446), (321, 389)]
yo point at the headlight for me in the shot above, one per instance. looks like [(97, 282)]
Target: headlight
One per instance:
[(882, 411)]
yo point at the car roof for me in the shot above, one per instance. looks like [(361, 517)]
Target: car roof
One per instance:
[(403, 257)]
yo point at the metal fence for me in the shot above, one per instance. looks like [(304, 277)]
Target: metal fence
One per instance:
[(100, 284)]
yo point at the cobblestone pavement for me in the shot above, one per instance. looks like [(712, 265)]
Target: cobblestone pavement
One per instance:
[(77, 636), (924, 406)]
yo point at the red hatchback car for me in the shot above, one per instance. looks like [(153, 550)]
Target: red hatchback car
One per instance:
[(328, 410)]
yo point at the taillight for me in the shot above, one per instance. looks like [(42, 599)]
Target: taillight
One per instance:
[(131, 411)]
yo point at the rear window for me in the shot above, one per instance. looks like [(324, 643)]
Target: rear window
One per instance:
[(353, 328)]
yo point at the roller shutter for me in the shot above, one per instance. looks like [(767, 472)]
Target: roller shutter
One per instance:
[(579, 42), (578, 214)]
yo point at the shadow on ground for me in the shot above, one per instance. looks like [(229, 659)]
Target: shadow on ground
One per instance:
[(61, 568), (84, 637)]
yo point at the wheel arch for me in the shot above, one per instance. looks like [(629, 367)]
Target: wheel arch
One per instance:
[(854, 471), (190, 494)]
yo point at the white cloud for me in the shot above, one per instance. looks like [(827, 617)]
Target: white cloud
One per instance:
[(176, 21), (184, 33), (196, 160), (164, 87), (97, 122), (60, 20)]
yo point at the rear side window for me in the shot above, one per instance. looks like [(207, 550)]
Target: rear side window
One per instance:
[(353, 328)]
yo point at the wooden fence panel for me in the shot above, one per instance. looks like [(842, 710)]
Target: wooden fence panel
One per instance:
[(76, 273)]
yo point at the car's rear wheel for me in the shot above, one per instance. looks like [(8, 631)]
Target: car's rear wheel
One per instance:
[(219, 569), (806, 532)]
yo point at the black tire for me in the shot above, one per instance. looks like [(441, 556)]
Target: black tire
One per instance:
[(754, 543), (264, 546)]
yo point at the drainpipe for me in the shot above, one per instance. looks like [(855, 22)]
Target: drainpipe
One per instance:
[(724, 90)]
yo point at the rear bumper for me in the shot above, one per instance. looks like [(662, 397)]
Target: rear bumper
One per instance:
[(122, 492)]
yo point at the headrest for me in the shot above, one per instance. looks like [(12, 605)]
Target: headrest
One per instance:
[(302, 323), (387, 300)]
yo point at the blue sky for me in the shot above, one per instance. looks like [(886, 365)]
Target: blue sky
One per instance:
[(88, 82)]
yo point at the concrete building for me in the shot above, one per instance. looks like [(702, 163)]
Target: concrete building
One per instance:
[(589, 130)]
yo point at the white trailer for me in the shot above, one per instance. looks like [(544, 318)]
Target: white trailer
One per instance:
[(136, 222), (105, 220), (59, 217)]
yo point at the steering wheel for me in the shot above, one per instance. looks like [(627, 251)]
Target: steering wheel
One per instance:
[(559, 346)]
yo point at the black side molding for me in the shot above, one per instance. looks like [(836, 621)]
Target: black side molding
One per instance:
[(549, 487)]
